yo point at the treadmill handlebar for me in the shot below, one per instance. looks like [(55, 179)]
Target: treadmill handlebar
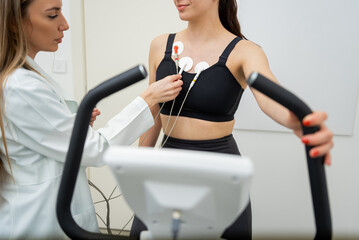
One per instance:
[(316, 169), (74, 155)]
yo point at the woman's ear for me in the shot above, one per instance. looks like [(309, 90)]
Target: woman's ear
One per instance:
[(12, 26)]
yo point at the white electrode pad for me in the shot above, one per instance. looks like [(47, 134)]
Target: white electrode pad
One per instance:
[(186, 63), (180, 47), (201, 66)]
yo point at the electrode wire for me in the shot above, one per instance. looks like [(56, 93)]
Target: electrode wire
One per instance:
[(185, 64), (184, 100)]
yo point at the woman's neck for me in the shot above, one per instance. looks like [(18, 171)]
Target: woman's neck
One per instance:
[(205, 28), (31, 52)]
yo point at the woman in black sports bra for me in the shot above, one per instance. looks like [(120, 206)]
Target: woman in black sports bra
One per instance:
[(207, 118)]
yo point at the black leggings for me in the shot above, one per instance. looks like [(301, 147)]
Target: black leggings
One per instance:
[(242, 227)]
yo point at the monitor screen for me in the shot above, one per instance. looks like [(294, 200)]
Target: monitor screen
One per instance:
[(209, 190)]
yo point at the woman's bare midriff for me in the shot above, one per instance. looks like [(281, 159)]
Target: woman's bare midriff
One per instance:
[(196, 129)]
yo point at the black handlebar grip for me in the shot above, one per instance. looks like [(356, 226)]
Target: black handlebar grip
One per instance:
[(316, 169), (74, 155)]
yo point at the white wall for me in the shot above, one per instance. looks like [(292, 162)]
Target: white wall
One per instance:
[(311, 47), (114, 35)]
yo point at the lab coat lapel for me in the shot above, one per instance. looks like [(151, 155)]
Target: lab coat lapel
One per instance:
[(71, 104)]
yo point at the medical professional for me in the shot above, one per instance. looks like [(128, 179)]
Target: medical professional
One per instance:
[(37, 120)]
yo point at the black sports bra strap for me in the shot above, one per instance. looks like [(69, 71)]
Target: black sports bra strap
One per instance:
[(170, 40), (228, 50)]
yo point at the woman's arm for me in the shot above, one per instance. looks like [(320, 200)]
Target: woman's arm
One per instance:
[(254, 59), (43, 123)]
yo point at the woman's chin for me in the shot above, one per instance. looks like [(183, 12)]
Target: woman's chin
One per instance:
[(52, 48), (184, 17)]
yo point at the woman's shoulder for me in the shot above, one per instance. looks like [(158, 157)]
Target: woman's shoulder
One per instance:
[(158, 48), (160, 41), (23, 78), (246, 49), (248, 46)]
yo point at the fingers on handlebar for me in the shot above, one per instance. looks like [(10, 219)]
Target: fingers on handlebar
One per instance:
[(315, 119), (322, 140)]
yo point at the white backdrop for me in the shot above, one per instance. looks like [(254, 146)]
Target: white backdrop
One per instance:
[(313, 50)]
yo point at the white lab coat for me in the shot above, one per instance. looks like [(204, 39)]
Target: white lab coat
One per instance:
[(39, 122)]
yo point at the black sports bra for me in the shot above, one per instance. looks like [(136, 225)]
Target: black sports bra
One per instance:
[(215, 95)]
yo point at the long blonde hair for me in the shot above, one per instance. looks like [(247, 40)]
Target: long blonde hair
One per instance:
[(13, 51)]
